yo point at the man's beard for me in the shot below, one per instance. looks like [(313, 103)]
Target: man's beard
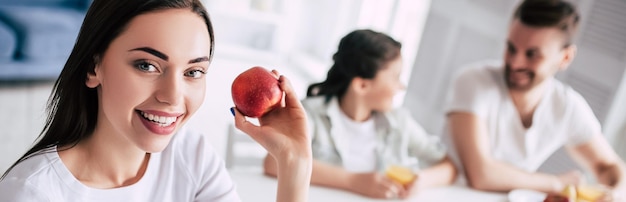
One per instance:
[(517, 86)]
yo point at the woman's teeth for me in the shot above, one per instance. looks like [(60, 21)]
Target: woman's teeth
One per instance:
[(161, 120)]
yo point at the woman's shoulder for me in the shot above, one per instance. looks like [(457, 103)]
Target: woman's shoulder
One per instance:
[(21, 189), (36, 165), (31, 178)]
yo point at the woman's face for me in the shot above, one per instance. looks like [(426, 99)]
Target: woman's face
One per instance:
[(151, 79), (385, 85)]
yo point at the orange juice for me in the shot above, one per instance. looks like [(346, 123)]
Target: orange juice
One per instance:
[(400, 174)]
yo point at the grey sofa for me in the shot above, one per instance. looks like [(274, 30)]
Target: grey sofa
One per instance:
[(36, 37)]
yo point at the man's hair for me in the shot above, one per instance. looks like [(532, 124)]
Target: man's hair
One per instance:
[(550, 13)]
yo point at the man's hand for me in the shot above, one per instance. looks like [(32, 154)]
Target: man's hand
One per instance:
[(573, 177)]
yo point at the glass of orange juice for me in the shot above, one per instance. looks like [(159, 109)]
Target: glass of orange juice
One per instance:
[(400, 174)]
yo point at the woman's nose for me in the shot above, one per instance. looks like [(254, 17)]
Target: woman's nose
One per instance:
[(169, 90)]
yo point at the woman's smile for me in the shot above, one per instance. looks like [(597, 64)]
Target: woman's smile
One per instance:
[(160, 123)]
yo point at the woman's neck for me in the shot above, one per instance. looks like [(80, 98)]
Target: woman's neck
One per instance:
[(105, 160), (354, 108)]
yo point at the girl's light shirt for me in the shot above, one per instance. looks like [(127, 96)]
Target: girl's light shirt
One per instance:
[(399, 139)]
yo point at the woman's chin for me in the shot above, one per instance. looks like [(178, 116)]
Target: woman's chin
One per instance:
[(154, 146)]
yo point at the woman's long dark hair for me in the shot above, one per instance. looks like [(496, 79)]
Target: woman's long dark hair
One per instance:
[(361, 53), (72, 108)]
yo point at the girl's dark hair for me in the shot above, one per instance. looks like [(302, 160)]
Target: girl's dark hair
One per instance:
[(550, 13), (361, 53), (72, 108)]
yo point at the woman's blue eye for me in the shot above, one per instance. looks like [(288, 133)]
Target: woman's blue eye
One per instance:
[(195, 73), (145, 66)]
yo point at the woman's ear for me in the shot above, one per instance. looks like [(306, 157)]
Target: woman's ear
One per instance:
[(93, 80)]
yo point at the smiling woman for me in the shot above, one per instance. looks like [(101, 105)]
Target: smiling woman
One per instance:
[(96, 147), (152, 73)]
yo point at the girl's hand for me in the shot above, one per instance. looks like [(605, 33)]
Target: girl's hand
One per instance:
[(376, 185)]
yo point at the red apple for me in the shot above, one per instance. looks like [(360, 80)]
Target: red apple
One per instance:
[(256, 92)]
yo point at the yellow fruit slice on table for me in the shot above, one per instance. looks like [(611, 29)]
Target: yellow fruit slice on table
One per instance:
[(570, 193), (589, 193), (400, 174)]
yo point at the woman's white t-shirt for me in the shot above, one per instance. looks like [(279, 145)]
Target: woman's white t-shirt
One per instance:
[(188, 169)]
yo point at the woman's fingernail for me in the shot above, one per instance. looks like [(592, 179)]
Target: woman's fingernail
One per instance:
[(232, 111)]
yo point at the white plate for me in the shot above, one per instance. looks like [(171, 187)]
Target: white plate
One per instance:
[(526, 195)]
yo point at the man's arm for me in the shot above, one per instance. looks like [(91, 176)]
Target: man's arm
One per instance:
[(599, 157), (470, 138)]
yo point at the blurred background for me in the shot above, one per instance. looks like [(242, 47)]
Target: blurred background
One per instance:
[(298, 38)]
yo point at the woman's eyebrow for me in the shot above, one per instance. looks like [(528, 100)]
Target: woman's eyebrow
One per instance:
[(153, 52), (161, 55), (200, 59)]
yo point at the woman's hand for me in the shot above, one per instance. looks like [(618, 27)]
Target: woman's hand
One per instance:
[(376, 185), (283, 133)]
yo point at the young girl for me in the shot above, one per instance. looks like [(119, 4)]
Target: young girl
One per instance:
[(115, 125), (355, 132)]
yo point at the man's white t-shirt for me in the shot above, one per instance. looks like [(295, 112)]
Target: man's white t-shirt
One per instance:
[(562, 117), (187, 170)]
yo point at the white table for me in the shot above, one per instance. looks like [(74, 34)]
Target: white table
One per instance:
[(253, 186)]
